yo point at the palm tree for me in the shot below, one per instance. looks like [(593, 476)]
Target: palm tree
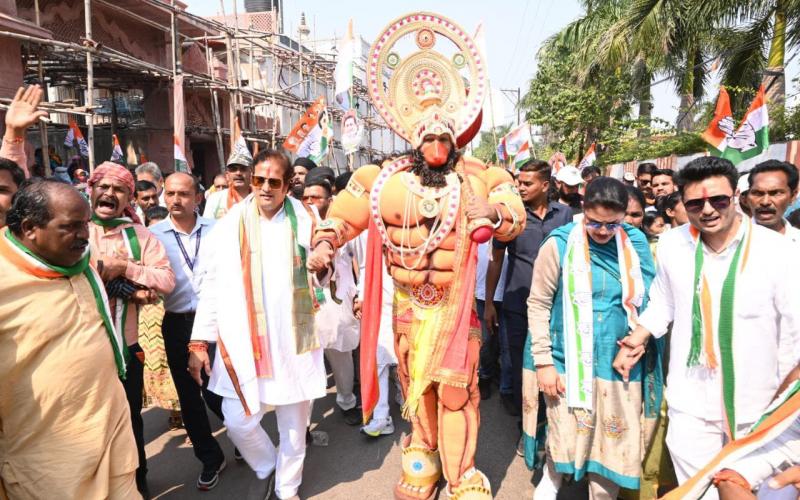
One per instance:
[(597, 54), (669, 32), (756, 52)]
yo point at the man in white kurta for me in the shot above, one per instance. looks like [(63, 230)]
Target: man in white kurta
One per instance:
[(336, 326), (222, 315), (764, 316)]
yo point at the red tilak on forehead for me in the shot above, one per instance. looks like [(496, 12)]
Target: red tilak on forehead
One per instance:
[(705, 192)]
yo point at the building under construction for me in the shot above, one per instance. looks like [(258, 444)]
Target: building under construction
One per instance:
[(124, 67)]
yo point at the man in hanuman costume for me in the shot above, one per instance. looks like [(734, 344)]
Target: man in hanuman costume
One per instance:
[(425, 213)]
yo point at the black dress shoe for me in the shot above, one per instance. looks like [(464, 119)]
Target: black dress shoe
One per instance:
[(352, 416), (485, 386)]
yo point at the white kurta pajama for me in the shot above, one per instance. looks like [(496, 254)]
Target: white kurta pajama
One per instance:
[(337, 328), (766, 317), (297, 378)]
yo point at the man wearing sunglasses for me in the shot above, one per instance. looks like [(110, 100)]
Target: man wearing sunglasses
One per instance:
[(257, 303), (238, 172), (735, 303)]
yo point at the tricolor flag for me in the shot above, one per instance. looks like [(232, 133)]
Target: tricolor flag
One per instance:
[(74, 134), (116, 153), (523, 155), (316, 143), (516, 144), (343, 74), (305, 126), (69, 139), (181, 165), (588, 159), (750, 139), (515, 138)]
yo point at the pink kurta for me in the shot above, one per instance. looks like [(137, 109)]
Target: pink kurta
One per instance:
[(153, 271)]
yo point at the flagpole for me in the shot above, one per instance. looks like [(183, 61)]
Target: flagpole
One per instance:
[(491, 112), (87, 13)]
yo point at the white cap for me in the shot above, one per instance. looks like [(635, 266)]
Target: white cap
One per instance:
[(744, 183), (629, 177), (569, 175)]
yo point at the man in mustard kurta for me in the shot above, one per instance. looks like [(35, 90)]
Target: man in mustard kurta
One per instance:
[(65, 429)]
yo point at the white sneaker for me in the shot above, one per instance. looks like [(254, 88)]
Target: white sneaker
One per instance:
[(379, 427)]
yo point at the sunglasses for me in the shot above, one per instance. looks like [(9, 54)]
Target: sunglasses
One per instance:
[(610, 226), (719, 202), (237, 168), (258, 181)]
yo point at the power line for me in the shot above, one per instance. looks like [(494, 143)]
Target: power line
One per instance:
[(516, 43)]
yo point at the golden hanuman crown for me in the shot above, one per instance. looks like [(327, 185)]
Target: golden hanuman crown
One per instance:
[(437, 87)]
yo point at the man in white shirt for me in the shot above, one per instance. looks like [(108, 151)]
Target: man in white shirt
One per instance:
[(185, 237), (773, 187), (725, 284), (257, 303), (336, 326)]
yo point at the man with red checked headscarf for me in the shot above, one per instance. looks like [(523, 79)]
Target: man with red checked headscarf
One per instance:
[(135, 271)]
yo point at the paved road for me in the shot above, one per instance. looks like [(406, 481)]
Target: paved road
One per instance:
[(352, 466)]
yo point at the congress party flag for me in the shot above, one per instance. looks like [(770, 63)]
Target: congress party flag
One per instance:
[(588, 159), (305, 125), (750, 139)]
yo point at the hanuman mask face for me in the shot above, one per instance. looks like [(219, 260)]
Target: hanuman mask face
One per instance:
[(436, 149)]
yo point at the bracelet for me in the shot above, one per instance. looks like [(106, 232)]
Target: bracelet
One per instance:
[(499, 219), (15, 140), (324, 240), (197, 346)]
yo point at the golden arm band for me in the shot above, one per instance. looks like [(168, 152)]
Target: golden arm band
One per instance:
[(506, 199)]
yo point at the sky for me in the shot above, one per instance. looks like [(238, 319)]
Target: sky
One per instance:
[(514, 33)]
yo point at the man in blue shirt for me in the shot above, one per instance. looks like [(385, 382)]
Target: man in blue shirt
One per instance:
[(541, 218), (183, 235)]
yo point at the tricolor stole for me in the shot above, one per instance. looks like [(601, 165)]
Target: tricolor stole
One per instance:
[(22, 257), (304, 304), (703, 321), (578, 311)]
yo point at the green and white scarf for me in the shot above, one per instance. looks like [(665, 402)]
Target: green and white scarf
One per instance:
[(134, 250), (579, 314), (28, 261)]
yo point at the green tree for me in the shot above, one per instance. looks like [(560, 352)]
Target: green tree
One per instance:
[(486, 151), (574, 114)]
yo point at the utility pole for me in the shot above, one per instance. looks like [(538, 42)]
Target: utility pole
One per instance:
[(517, 92)]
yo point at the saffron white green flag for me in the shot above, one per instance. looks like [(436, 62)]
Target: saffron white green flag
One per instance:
[(318, 140), (181, 165), (588, 159), (116, 153), (750, 139), (523, 155)]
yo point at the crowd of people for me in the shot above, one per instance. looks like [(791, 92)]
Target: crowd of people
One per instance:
[(636, 328)]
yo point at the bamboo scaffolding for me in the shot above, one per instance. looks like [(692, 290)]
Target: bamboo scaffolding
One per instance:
[(89, 65)]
